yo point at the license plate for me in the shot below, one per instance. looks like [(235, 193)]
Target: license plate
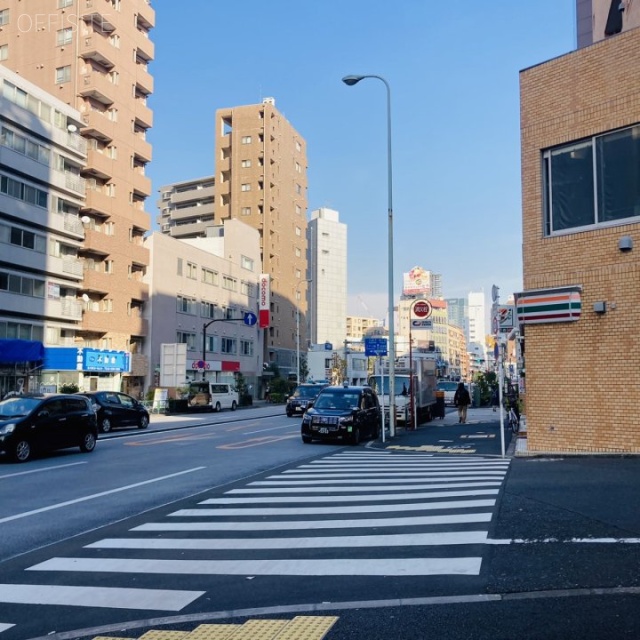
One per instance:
[(323, 430)]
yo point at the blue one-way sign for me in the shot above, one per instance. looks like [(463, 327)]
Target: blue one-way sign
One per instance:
[(250, 319)]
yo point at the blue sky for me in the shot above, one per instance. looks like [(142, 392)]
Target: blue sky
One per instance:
[(453, 70)]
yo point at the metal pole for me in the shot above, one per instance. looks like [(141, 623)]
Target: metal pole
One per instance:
[(298, 332), (382, 393), (350, 81)]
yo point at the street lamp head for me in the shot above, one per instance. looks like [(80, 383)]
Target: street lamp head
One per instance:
[(351, 80)]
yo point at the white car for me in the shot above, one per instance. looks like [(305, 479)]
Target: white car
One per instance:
[(449, 387)]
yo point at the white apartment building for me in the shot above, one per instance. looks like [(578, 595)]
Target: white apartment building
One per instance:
[(477, 310), (207, 281), (327, 264)]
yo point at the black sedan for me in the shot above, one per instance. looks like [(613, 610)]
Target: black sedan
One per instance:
[(302, 396), (115, 409), (346, 413)]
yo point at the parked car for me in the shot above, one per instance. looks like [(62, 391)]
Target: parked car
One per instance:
[(302, 396), (115, 409), (449, 387), (347, 413), (212, 396), (36, 423)]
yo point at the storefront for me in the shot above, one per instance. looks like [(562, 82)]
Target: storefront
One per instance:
[(20, 366)]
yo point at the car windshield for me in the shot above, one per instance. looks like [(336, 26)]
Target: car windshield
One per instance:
[(306, 392), (401, 384), (18, 406), (447, 386), (341, 400)]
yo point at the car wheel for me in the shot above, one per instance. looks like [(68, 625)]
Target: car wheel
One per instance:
[(289, 414), (355, 436), (306, 439), (22, 451), (105, 425), (218, 407), (88, 443), (234, 406), (144, 422)]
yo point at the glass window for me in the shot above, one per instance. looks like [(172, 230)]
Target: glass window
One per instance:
[(63, 74)]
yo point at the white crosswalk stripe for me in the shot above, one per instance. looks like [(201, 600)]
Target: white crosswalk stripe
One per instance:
[(351, 514)]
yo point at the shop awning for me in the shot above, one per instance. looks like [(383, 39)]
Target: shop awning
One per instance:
[(19, 351)]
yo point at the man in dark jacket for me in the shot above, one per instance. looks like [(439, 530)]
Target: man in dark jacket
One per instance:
[(462, 400)]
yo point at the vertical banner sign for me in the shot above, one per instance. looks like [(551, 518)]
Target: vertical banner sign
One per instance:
[(264, 301)]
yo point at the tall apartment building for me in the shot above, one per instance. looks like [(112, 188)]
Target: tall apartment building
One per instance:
[(327, 241), (359, 327), (580, 146), (93, 55), (41, 157), (261, 179), (187, 208), (600, 19), (458, 314), (477, 325)]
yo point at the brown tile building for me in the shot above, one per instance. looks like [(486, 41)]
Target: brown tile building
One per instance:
[(93, 55), (261, 179), (580, 132)]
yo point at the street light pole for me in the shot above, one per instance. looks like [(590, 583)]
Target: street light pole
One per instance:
[(350, 81), (298, 332)]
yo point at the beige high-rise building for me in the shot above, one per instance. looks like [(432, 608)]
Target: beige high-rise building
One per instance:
[(261, 179), (93, 55)]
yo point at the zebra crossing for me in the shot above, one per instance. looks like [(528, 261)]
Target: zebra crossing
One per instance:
[(352, 514)]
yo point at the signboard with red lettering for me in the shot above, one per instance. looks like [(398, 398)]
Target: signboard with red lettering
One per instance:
[(264, 300)]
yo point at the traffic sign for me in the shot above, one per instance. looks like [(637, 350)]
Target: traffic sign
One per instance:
[(375, 346), (421, 309), (250, 319)]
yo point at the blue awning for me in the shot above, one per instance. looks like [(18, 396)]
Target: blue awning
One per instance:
[(20, 351)]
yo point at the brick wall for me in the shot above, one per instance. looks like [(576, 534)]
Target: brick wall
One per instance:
[(582, 378)]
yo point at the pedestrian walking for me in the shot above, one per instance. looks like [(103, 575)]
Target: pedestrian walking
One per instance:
[(267, 393), (495, 398), (462, 400)]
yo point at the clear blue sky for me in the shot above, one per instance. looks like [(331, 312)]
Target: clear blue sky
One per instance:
[(453, 70)]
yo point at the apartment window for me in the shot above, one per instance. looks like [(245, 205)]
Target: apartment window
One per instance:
[(245, 211), (298, 231), (207, 310), (298, 168), (23, 238), (63, 74), (246, 288), (244, 139), (184, 337), (64, 36), (246, 263), (298, 252), (14, 283), (107, 305), (245, 187), (187, 305), (298, 273), (593, 182), (209, 276), (246, 348), (246, 164), (4, 51), (179, 269), (21, 191), (298, 209), (229, 283), (64, 3), (4, 17), (298, 146), (298, 189), (228, 345), (229, 313), (192, 271)]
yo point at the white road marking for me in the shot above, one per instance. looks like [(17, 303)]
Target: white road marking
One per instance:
[(155, 599), (297, 567), (462, 475), (306, 543), (345, 468), (330, 486), (569, 540), (26, 514), (368, 497), (381, 464), (368, 489), (315, 524), (26, 473), (5, 625), (303, 511)]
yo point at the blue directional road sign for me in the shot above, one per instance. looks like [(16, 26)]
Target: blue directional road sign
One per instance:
[(375, 346), (250, 319)]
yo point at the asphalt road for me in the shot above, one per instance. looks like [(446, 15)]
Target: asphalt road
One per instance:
[(239, 520)]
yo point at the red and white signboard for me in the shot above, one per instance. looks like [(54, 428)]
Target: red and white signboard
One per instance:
[(264, 300), (421, 309)]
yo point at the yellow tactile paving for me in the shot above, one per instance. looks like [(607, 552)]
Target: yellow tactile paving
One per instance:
[(214, 632), (259, 630), (164, 634), (307, 628)]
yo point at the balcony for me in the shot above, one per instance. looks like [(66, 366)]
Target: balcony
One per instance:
[(91, 14), (146, 15), (97, 282), (136, 326), (138, 254), (144, 80), (141, 184), (137, 289), (96, 47), (96, 85), (196, 212), (142, 148), (98, 125), (145, 48), (191, 229), (98, 203), (99, 165), (97, 321), (143, 114)]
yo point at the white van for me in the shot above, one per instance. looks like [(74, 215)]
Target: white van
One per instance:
[(212, 396)]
